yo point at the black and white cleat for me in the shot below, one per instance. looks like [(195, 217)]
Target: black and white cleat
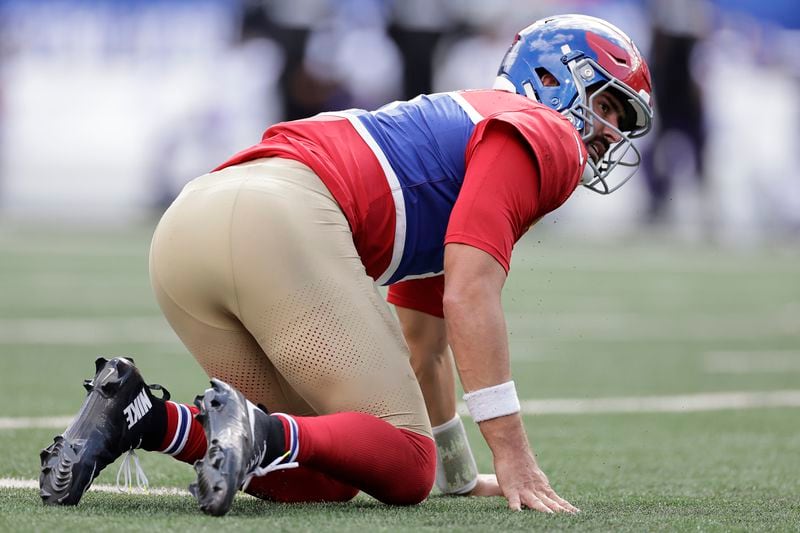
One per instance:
[(106, 426), (241, 439)]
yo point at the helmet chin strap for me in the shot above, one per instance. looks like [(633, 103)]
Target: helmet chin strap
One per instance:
[(502, 83)]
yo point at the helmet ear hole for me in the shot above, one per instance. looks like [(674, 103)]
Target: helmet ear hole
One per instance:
[(546, 77)]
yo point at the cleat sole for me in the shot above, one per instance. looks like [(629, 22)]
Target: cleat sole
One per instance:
[(221, 472)]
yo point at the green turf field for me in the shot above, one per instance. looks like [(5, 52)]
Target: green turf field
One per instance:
[(587, 321)]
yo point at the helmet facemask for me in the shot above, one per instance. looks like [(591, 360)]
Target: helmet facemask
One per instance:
[(636, 123)]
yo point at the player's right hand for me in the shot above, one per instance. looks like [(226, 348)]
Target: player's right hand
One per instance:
[(522, 481), (525, 485)]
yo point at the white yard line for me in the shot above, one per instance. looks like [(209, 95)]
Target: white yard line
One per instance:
[(52, 422), (685, 403), (644, 404), (14, 483)]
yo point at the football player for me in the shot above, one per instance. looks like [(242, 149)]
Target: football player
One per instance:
[(267, 267)]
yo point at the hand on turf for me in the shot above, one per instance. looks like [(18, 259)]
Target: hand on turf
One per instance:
[(522, 481), (525, 485), (487, 486)]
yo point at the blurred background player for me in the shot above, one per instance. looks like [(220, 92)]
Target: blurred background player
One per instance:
[(267, 268), (680, 133)]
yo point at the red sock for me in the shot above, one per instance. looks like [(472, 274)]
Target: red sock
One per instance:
[(185, 439), (395, 466)]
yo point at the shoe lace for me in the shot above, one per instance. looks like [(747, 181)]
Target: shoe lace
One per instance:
[(125, 471), (273, 466)]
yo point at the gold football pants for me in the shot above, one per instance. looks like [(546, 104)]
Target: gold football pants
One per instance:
[(255, 269)]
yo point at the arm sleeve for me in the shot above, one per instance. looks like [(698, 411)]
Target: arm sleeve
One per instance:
[(499, 199), (423, 295)]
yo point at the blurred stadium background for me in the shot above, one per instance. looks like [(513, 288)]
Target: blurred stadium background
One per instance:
[(685, 282), (108, 107)]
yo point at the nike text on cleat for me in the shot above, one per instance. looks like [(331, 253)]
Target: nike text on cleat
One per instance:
[(240, 439), (104, 428)]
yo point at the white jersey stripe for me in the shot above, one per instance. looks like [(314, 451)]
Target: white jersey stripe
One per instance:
[(422, 276), (471, 112), (394, 186)]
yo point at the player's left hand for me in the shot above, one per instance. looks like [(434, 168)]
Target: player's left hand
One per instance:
[(487, 486)]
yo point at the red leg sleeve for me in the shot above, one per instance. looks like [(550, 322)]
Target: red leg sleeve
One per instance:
[(393, 465), (339, 455), (300, 485)]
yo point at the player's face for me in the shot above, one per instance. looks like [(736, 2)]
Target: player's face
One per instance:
[(609, 108)]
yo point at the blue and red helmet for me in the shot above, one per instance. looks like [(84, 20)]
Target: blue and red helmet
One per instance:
[(586, 56)]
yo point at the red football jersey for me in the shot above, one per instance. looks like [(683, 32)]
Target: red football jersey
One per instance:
[(470, 167)]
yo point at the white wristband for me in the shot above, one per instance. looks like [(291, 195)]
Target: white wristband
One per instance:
[(492, 402)]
